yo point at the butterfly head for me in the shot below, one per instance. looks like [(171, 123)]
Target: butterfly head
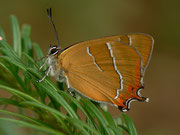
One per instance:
[(53, 50)]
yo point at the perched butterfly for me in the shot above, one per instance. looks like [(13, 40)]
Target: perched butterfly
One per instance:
[(109, 69)]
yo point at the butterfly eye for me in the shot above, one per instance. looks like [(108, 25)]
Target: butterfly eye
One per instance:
[(53, 51)]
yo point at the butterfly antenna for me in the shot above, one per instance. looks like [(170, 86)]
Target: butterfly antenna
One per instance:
[(49, 14)]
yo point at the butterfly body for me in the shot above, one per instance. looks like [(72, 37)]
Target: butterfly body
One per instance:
[(109, 69)]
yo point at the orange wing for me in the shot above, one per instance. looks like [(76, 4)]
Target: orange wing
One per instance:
[(143, 44), (105, 70)]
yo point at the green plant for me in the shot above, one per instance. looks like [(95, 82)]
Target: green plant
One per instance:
[(53, 111)]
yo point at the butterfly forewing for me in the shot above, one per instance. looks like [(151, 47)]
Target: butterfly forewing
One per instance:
[(108, 69), (143, 44)]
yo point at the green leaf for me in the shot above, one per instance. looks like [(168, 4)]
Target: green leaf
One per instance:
[(41, 93), (130, 125), (26, 124), (118, 122), (8, 51), (58, 115), (91, 108), (19, 94), (22, 117), (26, 40), (7, 75), (89, 120), (52, 91), (39, 53), (10, 55), (14, 62), (109, 118), (83, 127), (30, 59), (9, 101), (16, 35), (45, 107), (8, 128), (38, 50), (117, 130), (73, 100)]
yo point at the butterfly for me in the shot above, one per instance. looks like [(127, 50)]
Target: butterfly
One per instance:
[(106, 70)]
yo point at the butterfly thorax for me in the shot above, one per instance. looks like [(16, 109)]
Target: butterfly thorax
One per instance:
[(55, 63), (52, 64)]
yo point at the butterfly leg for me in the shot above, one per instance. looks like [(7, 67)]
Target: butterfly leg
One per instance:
[(60, 77), (46, 74), (41, 58), (71, 92), (43, 64)]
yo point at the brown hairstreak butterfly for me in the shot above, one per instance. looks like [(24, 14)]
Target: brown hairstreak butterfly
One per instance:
[(107, 70)]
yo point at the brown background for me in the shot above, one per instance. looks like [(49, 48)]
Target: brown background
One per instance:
[(79, 20)]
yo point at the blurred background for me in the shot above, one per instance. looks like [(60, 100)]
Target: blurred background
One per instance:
[(80, 20)]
